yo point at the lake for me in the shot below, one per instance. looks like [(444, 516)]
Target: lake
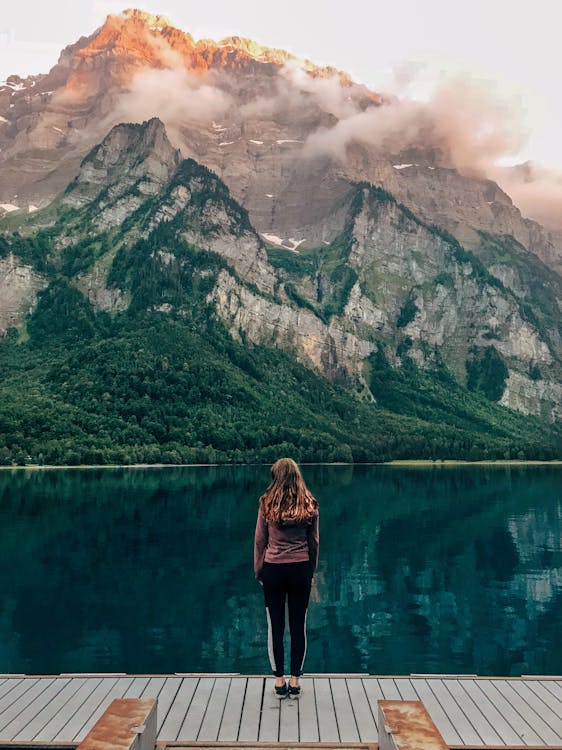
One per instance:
[(450, 569)]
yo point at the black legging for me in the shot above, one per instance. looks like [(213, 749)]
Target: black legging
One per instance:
[(292, 580)]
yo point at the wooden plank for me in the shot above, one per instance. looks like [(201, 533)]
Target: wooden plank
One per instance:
[(540, 727), (178, 709), (250, 721), (374, 693), (289, 716), (165, 689), (525, 733), (79, 718), (155, 685), (472, 710), (10, 684), (406, 689), (308, 718), (60, 701), (116, 691), (270, 711), (116, 729), (194, 717), (20, 698), (136, 687), (17, 690), (549, 717), (232, 713), (551, 700), (553, 687), (366, 725), (435, 710), (23, 717), (455, 714), (215, 709), (506, 733), (64, 715), (327, 722), (389, 689), (347, 726)]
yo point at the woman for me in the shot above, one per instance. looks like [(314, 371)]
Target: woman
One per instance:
[(285, 559)]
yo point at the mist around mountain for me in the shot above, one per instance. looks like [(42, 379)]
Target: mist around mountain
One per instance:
[(274, 260)]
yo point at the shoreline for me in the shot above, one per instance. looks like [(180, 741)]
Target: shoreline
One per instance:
[(399, 462)]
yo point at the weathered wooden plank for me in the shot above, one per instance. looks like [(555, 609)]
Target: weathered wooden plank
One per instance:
[(327, 722), (17, 690), (435, 710), (519, 704), (63, 716), (503, 728), (364, 719), (525, 733), (194, 717), (155, 685), (250, 721), (374, 693), (215, 708), (308, 718), (553, 687), (10, 684), (462, 725), (347, 726), (165, 689), (20, 698), (79, 718), (232, 713), (549, 717), (389, 689), (406, 689), (270, 711), (178, 710), (136, 687), (473, 712), (50, 710), (551, 700), (23, 717), (116, 691), (289, 718)]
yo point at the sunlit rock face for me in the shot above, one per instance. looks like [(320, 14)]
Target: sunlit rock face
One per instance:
[(247, 112)]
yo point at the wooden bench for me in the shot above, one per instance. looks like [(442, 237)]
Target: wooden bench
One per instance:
[(406, 725), (126, 724)]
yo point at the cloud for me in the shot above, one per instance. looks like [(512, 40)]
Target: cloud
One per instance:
[(174, 95), (463, 119), (535, 190), (466, 122)]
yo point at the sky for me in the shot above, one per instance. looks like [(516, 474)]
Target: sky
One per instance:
[(513, 45)]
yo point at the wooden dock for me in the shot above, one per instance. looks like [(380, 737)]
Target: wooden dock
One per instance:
[(468, 711)]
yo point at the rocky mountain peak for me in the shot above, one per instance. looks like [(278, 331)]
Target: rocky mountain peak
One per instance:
[(131, 154)]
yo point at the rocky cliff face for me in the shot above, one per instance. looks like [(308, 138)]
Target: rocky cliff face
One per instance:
[(385, 280), (246, 112), (19, 285), (332, 257), (416, 292)]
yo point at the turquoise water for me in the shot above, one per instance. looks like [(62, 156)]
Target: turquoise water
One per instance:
[(445, 569)]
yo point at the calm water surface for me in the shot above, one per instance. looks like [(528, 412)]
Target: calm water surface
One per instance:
[(421, 570)]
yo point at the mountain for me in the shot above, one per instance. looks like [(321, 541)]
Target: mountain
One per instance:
[(198, 286)]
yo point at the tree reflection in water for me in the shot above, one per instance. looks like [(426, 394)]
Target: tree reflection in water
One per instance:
[(436, 569)]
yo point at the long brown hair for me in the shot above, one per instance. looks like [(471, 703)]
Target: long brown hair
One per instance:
[(287, 496)]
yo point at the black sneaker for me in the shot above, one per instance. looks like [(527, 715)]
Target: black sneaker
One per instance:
[(281, 690), (294, 691)]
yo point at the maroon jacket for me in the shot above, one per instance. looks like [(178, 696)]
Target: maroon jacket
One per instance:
[(286, 542)]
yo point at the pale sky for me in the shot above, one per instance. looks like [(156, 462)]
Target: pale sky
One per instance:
[(513, 44)]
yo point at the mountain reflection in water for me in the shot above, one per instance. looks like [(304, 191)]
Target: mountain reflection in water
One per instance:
[(435, 569)]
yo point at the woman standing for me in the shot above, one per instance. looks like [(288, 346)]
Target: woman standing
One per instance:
[(285, 559)]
